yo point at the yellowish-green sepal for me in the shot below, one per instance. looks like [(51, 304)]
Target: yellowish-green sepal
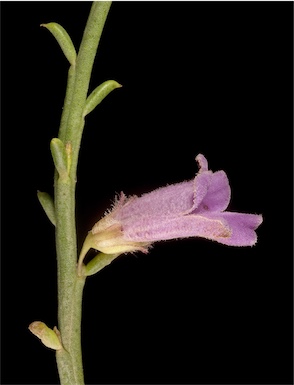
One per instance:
[(98, 263), (60, 157), (47, 336), (48, 205), (63, 40), (99, 94)]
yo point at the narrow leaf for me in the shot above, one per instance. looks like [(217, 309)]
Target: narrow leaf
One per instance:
[(48, 205), (63, 40), (59, 155), (99, 94)]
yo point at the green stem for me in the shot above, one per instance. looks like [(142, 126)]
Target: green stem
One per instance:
[(84, 64), (67, 102), (70, 285), (69, 362)]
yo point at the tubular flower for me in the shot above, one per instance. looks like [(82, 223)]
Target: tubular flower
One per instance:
[(194, 208)]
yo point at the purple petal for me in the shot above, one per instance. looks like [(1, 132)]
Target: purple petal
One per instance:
[(234, 229), (180, 198), (218, 194), (165, 201), (243, 227), (201, 181), (201, 185), (150, 230), (202, 163), (212, 190)]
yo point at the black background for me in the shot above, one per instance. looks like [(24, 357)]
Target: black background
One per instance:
[(206, 77)]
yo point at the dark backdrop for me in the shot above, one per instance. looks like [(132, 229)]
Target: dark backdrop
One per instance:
[(206, 77)]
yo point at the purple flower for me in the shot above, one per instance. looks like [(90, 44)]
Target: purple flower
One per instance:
[(194, 208)]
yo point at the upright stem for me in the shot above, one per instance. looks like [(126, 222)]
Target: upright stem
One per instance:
[(84, 64), (70, 285)]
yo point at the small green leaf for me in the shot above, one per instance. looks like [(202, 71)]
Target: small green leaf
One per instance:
[(48, 205), (99, 94), (63, 40), (49, 337), (60, 157), (98, 263)]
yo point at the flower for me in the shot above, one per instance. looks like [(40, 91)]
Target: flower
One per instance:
[(194, 208)]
